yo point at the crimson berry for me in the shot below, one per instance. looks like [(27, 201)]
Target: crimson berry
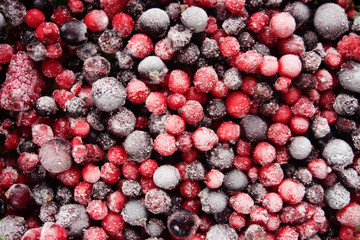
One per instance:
[(130, 170), (113, 223), (291, 45), (194, 94), (189, 188), (76, 6), (137, 91), (97, 210), (235, 6), (299, 124), (70, 177), (117, 155), (271, 175), (28, 162), (220, 90), (241, 203), (34, 17), (156, 103), (165, 144), (148, 167), (175, 124), (147, 183), (289, 66), (61, 14), (324, 80), (214, 178), (140, 45), (164, 50), (52, 230), (193, 205), (283, 114), (237, 220), (54, 51), (116, 201), (228, 132), (287, 233), (95, 233), (192, 112), (248, 85), (96, 20), (6, 53), (242, 163), (282, 84), (269, 66), (330, 116), (258, 21), (272, 202), (176, 101), (91, 173), (51, 68), (265, 36), (204, 139), (205, 79), (291, 191), (211, 26), (179, 81), (79, 127), (110, 173), (264, 153), (318, 168), (292, 96), (282, 25), (123, 24), (82, 193), (237, 104), (191, 155), (279, 134), (229, 46), (47, 32), (65, 79)]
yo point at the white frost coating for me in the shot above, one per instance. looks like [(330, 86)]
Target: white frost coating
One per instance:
[(349, 76), (166, 177), (221, 231), (135, 213), (320, 127), (338, 152), (194, 18), (300, 147), (73, 218), (337, 197), (213, 201), (55, 155)]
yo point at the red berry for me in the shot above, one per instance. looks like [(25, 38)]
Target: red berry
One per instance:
[(82, 193), (97, 210), (6, 53), (94, 233), (237, 104), (54, 51), (91, 173), (96, 20), (282, 84), (165, 144), (189, 188), (289, 66), (271, 175), (211, 26), (110, 173), (291, 191), (205, 79), (71, 177), (47, 32), (348, 47), (264, 153), (324, 80), (113, 223), (164, 50), (184, 143), (291, 45), (272, 202), (52, 230), (176, 101), (65, 79), (34, 17), (237, 220), (41, 133), (204, 139), (220, 90), (242, 163), (318, 168), (258, 21), (130, 170), (235, 6), (76, 6), (179, 81), (228, 132), (229, 46), (241, 203), (116, 201), (28, 162), (61, 14), (156, 103), (248, 85), (148, 167), (214, 178), (282, 25), (175, 124), (117, 155), (283, 114), (279, 134), (269, 66), (192, 112), (51, 68), (248, 62), (123, 24), (137, 91), (287, 233), (79, 127), (140, 45), (194, 94)]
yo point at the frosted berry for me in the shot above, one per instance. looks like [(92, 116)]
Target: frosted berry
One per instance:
[(121, 122), (55, 155), (154, 22), (166, 177), (135, 213), (138, 145), (238, 104), (96, 20), (152, 70), (73, 32), (291, 191), (123, 24), (195, 19)]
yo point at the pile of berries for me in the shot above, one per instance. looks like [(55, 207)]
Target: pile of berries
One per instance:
[(191, 119)]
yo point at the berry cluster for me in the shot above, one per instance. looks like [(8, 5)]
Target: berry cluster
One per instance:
[(191, 119)]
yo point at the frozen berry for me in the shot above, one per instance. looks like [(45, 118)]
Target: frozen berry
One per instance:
[(152, 69), (121, 122), (135, 213), (55, 155), (213, 201), (73, 32), (154, 22), (194, 18), (73, 218), (300, 147), (183, 223), (221, 231), (138, 145), (338, 152), (166, 177)]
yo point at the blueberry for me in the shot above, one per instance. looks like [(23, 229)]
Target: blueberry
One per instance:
[(46, 106), (222, 231), (195, 171), (73, 32), (246, 41), (261, 49), (105, 141), (350, 178), (12, 227), (349, 76), (154, 22), (75, 107), (300, 11), (135, 8), (213, 201), (194, 18), (300, 147), (220, 157), (63, 195), (179, 36), (210, 48), (156, 123), (183, 223), (216, 109), (108, 94), (315, 194), (305, 81), (138, 146), (337, 197), (121, 122), (330, 27), (345, 105), (73, 218), (254, 128), (152, 70), (134, 212), (87, 50), (235, 180), (338, 152), (232, 79), (234, 25), (42, 193), (166, 177), (100, 190), (48, 211), (310, 40), (188, 55)]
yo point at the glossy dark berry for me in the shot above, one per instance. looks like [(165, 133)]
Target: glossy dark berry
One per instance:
[(73, 33), (182, 223), (18, 196)]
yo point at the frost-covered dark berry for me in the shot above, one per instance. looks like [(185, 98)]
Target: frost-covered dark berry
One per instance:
[(173, 10), (124, 59), (194, 18), (157, 201), (156, 123), (73, 32), (345, 104), (188, 55), (300, 147), (356, 24), (12, 227), (95, 118), (36, 50), (48, 211), (263, 92), (261, 49), (138, 146), (220, 157), (135, 213), (166, 177), (94, 68), (216, 108), (337, 196), (315, 194), (110, 41), (14, 12), (254, 128), (320, 127), (28, 146), (234, 25), (131, 188), (152, 70), (235, 180), (63, 195), (349, 76), (100, 190), (310, 40), (179, 36), (355, 138), (42, 193), (300, 11), (310, 61), (105, 141), (246, 41), (255, 231), (195, 171), (257, 192), (87, 50), (232, 79), (213, 201), (154, 227), (38, 174), (125, 76), (46, 106), (222, 231), (305, 81), (75, 107), (183, 223), (154, 22), (108, 94), (344, 125), (334, 27), (350, 178), (303, 175), (338, 152), (135, 8), (55, 155), (73, 218), (210, 48), (121, 123)]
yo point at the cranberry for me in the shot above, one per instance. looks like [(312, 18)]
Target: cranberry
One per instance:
[(96, 20), (97, 210), (34, 18), (165, 144), (47, 32), (237, 104)]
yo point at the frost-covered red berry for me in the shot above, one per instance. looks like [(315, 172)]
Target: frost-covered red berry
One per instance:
[(291, 191), (282, 25), (34, 17), (96, 20)]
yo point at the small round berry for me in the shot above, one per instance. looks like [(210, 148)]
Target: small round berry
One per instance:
[(55, 155), (205, 79), (152, 70), (156, 103), (96, 20), (214, 179), (213, 201), (123, 24), (349, 215), (228, 132), (154, 22), (179, 81), (166, 177), (221, 231), (289, 66), (192, 112), (110, 173), (140, 45), (235, 6), (204, 139), (175, 124), (183, 223), (272, 202), (135, 213), (279, 133), (138, 146), (229, 46), (47, 32), (165, 144), (157, 201), (300, 147), (264, 153), (338, 152), (34, 17), (94, 233), (18, 196), (254, 128), (282, 25), (337, 196), (237, 104), (194, 18), (137, 91), (73, 32), (121, 122), (291, 191), (97, 210)]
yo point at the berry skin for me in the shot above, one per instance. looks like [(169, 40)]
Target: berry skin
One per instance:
[(258, 21), (279, 134), (228, 132), (110, 173), (94, 233), (235, 6), (264, 153), (349, 215), (113, 223), (179, 81), (175, 124), (272, 202), (205, 79), (96, 20), (61, 15), (289, 66), (65, 79), (282, 25), (91, 173), (214, 179), (318, 168), (204, 139), (269, 66), (137, 91), (117, 155), (229, 46), (140, 45), (237, 104), (51, 68), (34, 18), (271, 175), (156, 103), (97, 210), (291, 191), (192, 112), (165, 144)]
